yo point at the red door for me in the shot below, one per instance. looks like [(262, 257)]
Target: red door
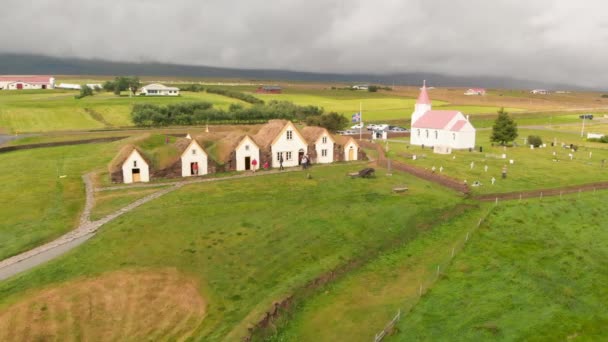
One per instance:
[(19, 85)]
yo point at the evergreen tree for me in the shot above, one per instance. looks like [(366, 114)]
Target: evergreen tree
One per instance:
[(504, 129)]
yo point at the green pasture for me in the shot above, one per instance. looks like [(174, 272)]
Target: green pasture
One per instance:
[(36, 205), (58, 110), (277, 233), (534, 271), (358, 306), (532, 169)]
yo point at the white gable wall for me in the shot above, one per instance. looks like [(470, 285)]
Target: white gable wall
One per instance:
[(327, 147), (288, 147), (194, 154), (135, 161), (247, 148), (351, 146)]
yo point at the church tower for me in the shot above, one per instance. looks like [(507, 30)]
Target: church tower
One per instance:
[(423, 104)]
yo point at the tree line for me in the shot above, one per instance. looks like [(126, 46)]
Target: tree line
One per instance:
[(198, 113)]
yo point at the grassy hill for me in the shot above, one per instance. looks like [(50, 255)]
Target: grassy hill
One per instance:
[(279, 232)]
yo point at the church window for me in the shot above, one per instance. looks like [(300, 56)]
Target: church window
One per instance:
[(453, 136), (289, 135), (436, 135), (427, 133)]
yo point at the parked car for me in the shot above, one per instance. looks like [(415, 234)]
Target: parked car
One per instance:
[(586, 116), (397, 129), (381, 127), (370, 127), (357, 126)]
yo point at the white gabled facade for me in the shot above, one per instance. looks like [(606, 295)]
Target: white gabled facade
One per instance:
[(135, 169), (324, 147), (245, 152), (351, 150), (194, 160), (290, 144)]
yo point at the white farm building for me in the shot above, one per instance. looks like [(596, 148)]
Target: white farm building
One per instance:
[(157, 89), (26, 82), (448, 129), (135, 168)]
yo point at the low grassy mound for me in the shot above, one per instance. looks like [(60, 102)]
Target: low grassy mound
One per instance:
[(124, 305)]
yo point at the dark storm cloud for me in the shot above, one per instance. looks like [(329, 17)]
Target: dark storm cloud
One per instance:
[(559, 40)]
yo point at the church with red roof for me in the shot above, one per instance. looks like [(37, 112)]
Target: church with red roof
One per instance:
[(443, 130)]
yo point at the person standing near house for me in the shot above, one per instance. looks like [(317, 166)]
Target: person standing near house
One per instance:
[(504, 172), (304, 162), (254, 163), (265, 165), (281, 162)]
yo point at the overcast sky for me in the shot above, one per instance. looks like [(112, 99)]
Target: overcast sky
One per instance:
[(552, 40)]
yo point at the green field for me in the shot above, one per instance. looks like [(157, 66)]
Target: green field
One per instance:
[(532, 169), (278, 232), (208, 260), (534, 271), (359, 306), (36, 204), (53, 110)]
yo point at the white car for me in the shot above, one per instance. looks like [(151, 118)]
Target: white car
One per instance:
[(357, 126)]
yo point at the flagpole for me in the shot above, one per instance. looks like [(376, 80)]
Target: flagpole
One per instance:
[(360, 119)]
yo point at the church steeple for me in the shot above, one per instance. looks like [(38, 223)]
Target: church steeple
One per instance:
[(423, 104)]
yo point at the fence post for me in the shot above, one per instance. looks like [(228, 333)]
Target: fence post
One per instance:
[(437, 271), (541, 195), (519, 198), (453, 250), (420, 291), (496, 201), (467, 238)]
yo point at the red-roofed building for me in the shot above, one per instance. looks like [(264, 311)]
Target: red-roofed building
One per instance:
[(26, 82), (448, 129)]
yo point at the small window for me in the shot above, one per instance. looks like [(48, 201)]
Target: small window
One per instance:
[(323, 153), (453, 136), (418, 132), (436, 135), (288, 155), (135, 163), (289, 135), (324, 140), (246, 147), (279, 154), (427, 133), (193, 151)]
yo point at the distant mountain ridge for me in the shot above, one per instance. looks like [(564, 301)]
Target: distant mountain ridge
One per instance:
[(28, 64)]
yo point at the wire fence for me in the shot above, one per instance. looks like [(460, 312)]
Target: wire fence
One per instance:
[(428, 281)]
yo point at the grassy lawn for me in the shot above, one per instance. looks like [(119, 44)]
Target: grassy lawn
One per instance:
[(107, 202), (36, 205), (249, 242), (534, 271), (359, 306), (53, 110), (532, 169)]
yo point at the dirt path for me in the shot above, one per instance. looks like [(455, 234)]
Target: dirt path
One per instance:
[(444, 181), (87, 228)]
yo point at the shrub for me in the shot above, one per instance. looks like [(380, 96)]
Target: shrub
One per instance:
[(535, 140)]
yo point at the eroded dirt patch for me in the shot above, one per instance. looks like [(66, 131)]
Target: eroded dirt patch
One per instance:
[(123, 305)]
